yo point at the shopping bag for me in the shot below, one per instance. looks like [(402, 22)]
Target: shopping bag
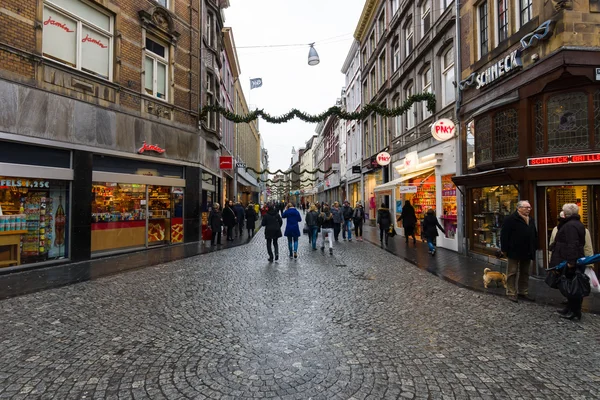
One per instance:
[(392, 231), (595, 285), (553, 278), (575, 287)]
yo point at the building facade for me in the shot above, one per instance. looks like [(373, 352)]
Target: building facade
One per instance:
[(530, 112), (102, 150)]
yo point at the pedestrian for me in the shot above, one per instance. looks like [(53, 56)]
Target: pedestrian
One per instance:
[(347, 213), (409, 218), (429, 230), (229, 219), (303, 208), (272, 223), (358, 218), (256, 209), (326, 223), (337, 220), (292, 228), (518, 240), (240, 214), (308, 205), (588, 248), (568, 246), (215, 221), (384, 221), (312, 221), (251, 218)]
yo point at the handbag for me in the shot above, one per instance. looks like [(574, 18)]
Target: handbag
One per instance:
[(553, 277), (392, 231), (575, 287), (305, 229)]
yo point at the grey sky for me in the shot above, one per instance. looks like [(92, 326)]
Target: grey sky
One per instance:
[(288, 81)]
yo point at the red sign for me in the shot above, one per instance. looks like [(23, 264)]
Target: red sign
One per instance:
[(443, 129), (383, 158), (150, 147), (559, 160), (62, 26), (226, 162), (87, 38)]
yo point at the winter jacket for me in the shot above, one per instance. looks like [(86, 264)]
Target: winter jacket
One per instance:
[(272, 223), (326, 220), (239, 212), (429, 227), (408, 217), (347, 213), (569, 243), (358, 214), (228, 217), (588, 248), (292, 229), (384, 218), (215, 220), (251, 217), (337, 215), (518, 240), (312, 218)]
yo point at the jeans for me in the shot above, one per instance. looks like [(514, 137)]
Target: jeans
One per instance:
[(313, 231), (358, 227), (274, 242), (347, 229), (517, 277), (337, 227), (230, 232), (384, 233), (329, 233), (216, 234), (431, 244), (292, 245), (240, 228)]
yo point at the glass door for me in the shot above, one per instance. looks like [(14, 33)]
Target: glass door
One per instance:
[(159, 215)]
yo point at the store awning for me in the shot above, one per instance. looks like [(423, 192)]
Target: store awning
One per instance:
[(242, 181), (509, 175), (392, 184)]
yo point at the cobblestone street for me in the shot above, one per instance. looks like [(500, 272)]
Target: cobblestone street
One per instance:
[(361, 324)]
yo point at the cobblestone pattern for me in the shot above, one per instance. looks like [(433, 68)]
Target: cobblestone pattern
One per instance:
[(360, 324)]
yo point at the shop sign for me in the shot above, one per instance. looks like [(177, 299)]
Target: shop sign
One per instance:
[(561, 160), (497, 70), (411, 160), (408, 189), (6, 183), (443, 129), (150, 147), (383, 158), (225, 162), (356, 169)]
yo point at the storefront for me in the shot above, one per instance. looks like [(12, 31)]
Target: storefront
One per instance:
[(354, 195), (34, 204), (135, 205), (374, 199)]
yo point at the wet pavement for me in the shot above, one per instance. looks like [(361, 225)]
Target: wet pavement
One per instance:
[(359, 324), (467, 271)]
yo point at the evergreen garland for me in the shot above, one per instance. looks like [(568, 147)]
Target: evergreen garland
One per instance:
[(335, 110), (287, 172)]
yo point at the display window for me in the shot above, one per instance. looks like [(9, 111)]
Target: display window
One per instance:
[(33, 220), (490, 205), (449, 208), (128, 216), (422, 199)]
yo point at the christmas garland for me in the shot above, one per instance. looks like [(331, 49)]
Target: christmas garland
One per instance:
[(304, 171), (337, 111), (286, 182)]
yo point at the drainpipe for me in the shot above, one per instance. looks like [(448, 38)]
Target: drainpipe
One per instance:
[(461, 227)]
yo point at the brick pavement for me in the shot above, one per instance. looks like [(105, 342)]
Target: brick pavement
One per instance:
[(361, 324)]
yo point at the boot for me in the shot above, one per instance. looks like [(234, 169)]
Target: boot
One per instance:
[(572, 316), (564, 311)]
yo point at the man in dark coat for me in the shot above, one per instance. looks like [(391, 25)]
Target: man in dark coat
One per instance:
[(409, 218), (229, 219), (215, 221), (384, 220), (272, 222), (239, 211), (518, 239)]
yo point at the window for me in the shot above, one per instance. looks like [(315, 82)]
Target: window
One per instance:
[(211, 118), (372, 44), (448, 77), (381, 25), (155, 69), (444, 4), (525, 11), (366, 140), (210, 20), (506, 134), (502, 20), (374, 136), (397, 119), (164, 3), (483, 140), (382, 69), (78, 35), (425, 17), (426, 81), (408, 35), (396, 56), (395, 6), (567, 121), (373, 82), (384, 130), (364, 57), (483, 29), (410, 114), (366, 91)]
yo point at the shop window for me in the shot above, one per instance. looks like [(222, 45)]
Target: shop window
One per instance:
[(539, 127), (34, 220), (483, 28), (597, 118), (567, 118), (449, 208), (448, 77), (490, 206), (506, 134), (79, 35), (483, 140)]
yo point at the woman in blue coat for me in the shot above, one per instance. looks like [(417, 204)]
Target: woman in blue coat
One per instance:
[(292, 229)]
